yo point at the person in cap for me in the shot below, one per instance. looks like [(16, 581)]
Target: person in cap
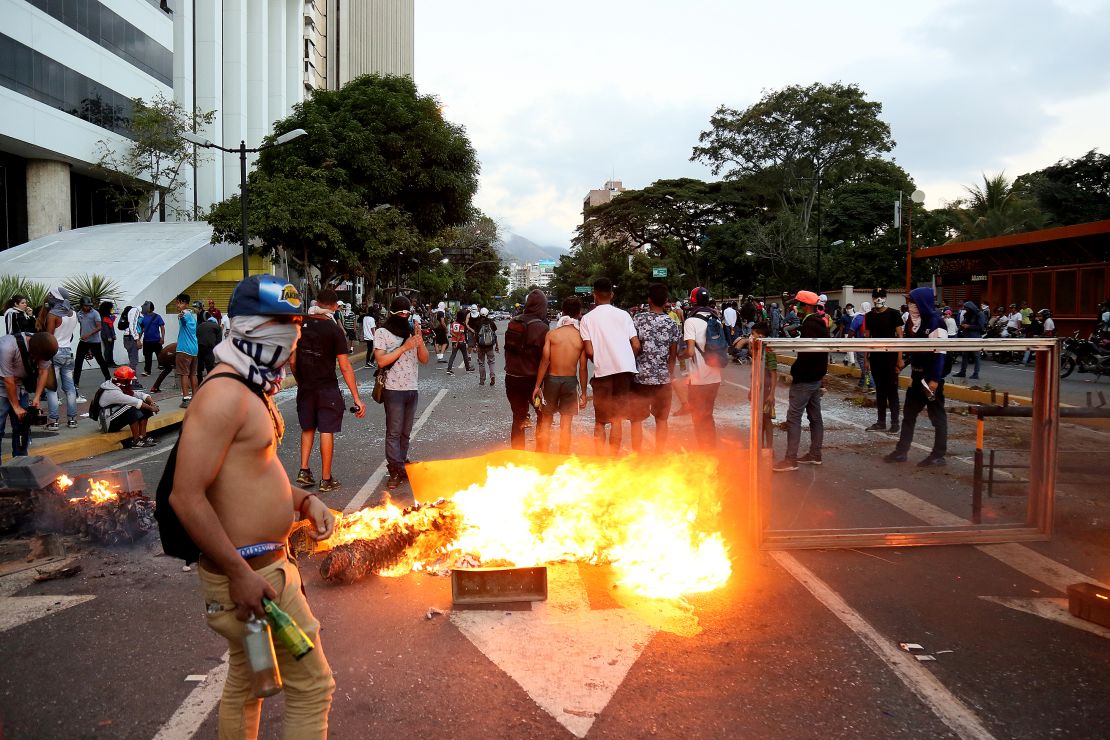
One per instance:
[(398, 347), (611, 343), (926, 390), (233, 497), (89, 328), (807, 380), (704, 379), (485, 341), (118, 405), (25, 361)]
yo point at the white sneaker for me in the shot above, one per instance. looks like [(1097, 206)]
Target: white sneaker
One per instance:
[(81, 399)]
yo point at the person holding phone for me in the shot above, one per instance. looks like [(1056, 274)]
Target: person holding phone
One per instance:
[(398, 347)]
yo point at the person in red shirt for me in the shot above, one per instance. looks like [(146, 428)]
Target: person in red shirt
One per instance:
[(457, 332)]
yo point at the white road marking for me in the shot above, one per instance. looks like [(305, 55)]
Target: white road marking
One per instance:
[(376, 477), (122, 464), (568, 659), (17, 610), (1054, 609), (948, 708), (197, 706), (1017, 556)]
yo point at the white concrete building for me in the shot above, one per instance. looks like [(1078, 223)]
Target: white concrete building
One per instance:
[(68, 72)]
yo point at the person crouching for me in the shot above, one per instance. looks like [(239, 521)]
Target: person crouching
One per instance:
[(121, 406)]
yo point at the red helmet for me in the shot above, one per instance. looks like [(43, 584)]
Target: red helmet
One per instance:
[(699, 296), (124, 373)]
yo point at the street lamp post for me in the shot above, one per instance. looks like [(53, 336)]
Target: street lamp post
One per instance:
[(917, 197), (242, 150)]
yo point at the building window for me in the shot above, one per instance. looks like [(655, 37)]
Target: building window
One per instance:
[(1042, 290), (1092, 289), (1065, 292)]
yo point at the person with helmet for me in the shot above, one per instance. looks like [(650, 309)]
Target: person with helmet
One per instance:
[(117, 405), (1041, 325), (807, 378), (1014, 321), (188, 350), (234, 500), (152, 335), (704, 378), (89, 331)]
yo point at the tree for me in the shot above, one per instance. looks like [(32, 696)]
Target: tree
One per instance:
[(793, 139), (1072, 191), (380, 173), (148, 173), (994, 210)]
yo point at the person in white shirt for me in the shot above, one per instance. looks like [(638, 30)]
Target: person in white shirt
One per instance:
[(132, 314), (611, 342), (730, 316), (1013, 320), (369, 325), (704, 380), (950, 322)]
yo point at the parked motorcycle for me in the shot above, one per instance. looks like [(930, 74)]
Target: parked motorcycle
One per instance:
[(1085, 356), (1003, 357)]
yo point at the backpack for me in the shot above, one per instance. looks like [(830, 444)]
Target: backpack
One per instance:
[(516, 334), (176, 541), (123, 322), (716, 344), (486, 337)]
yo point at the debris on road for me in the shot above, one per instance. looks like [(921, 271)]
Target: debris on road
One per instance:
[(45, 546), (909, 647), (195, 678), (58, 573), (433, 612), (924, 658)]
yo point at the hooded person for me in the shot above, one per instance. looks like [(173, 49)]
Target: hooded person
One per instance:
[(399, 350), (524, 340), (234, 500), (972, 326), (926, 390)]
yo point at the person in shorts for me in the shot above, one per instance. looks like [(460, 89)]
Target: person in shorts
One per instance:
[(121, 406), (188, 350), (561, 378), (320, 404), (651, 389), (610, 341)]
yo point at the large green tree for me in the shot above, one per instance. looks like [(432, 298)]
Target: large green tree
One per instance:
[(380, 173), (994, 209), (1072, 191)]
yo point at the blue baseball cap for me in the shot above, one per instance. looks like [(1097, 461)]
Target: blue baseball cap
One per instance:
[(264, 295)]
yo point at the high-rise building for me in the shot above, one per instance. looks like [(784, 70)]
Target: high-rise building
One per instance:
[(595, 198), (68, 74), (369, 36)]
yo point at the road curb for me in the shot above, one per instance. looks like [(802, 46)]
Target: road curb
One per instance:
[(98, 443)]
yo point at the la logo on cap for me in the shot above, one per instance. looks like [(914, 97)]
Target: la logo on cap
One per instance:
[(290, 295)]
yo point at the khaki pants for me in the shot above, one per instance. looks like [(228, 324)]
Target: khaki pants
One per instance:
[(308, 682)]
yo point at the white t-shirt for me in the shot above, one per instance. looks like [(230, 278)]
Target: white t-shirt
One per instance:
[(368, 327), (950, 323), (1014, 320), (609, 329), (1049, 326), (730, 316), (63, 332), (701, 373)]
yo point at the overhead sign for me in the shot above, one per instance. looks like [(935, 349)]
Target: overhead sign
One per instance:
[(659, 272), (978, 278), (583, 289)]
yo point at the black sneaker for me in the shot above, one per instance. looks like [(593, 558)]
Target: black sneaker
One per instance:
[(491, 381), (329, 484), (304, 478), (149, 441), (785, 465), (450, 372), (394, 480), (894, 457), (932, 460), (879, 426), (810, 459), (894, 428)]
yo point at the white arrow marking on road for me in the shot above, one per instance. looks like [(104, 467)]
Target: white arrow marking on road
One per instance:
[(17, 610), (569, 659), (1054, 609)]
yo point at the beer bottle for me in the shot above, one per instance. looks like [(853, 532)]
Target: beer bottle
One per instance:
[(287, 631), (259, 647)]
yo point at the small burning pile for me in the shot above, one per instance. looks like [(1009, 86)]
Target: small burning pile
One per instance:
[(105, 513), (654, 519)]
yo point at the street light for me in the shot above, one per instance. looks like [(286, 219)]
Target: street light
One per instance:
[(917, 197), (285, 138)]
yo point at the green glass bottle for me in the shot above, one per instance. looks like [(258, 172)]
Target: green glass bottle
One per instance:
[(287, 631)]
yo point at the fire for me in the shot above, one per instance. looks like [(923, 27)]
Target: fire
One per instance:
[(63, 482), (654, 519), (100, 491)]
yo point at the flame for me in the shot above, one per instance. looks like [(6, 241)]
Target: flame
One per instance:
[(654, 519), (100, 492), (63, 482)]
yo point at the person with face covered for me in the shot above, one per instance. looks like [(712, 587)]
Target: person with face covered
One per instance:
[(233, 496), (883, 322), (398, 347), (926, 389)]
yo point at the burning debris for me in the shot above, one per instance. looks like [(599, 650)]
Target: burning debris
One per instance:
[(382, 539), (617, 512)]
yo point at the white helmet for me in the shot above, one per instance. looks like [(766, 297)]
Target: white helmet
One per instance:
[(484, 312)]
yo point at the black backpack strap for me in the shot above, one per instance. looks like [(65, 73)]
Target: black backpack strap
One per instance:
[(25, 356)]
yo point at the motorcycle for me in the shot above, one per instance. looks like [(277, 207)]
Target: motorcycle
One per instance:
[(1003, 357), (1085, 356)]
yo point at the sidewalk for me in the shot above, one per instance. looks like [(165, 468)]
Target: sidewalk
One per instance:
[(87, 440)]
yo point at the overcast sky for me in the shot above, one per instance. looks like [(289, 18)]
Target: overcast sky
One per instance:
[(558, 97)]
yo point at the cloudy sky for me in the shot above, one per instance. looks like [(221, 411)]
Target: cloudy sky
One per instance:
[(558, 97)]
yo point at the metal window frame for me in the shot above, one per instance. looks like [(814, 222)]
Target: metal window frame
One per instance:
[(1042, 454)]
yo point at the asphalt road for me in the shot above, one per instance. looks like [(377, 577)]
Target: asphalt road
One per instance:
[(802, 644)]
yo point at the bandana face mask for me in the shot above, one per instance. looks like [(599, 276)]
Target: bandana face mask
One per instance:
[(880, 302), (259, 348)]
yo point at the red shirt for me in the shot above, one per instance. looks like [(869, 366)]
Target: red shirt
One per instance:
[(458, 332)]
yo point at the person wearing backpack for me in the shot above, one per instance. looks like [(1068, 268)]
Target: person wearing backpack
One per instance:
[(128, 324), (707, 350), (807, 380), (485, 333), (226, 500), (524, 339), (611, 342), (459, 342), (25, 361)]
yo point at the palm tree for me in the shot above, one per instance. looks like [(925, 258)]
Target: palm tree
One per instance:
[(994, 210)]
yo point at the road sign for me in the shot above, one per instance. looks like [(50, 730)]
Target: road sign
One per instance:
[(659, 272), (583, 289)]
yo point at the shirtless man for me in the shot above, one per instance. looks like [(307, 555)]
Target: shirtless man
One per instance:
[(562, 377), (234, 499)]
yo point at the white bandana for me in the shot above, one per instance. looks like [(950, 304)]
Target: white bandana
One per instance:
[(567, 321), (317, 311), (258, 353)]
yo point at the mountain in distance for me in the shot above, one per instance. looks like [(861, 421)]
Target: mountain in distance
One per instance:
[(516, 248)]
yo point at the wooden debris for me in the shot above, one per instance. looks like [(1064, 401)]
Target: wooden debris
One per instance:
[(58, 573)]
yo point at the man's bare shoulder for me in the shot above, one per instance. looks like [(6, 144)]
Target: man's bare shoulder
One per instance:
[(565, 334), (220, 396)]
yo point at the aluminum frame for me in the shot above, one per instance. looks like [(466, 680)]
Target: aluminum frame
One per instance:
[(1042, 454)]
